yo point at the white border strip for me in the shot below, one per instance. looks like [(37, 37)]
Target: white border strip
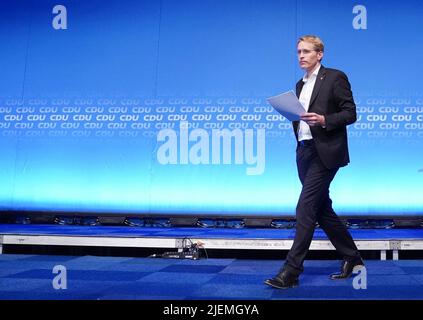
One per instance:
[(209, 243), (90, 241)]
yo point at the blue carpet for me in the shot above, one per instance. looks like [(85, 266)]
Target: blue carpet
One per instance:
[(104, 278)]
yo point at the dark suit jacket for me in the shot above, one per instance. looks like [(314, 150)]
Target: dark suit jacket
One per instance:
[(331, 97)]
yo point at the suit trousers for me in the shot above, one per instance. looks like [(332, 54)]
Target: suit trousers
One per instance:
[(314, 205)]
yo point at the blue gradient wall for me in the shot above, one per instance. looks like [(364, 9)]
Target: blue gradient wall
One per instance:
[(80, 108)]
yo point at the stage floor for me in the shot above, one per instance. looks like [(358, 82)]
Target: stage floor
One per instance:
[(106, 278), (382, 240), (161, 232)]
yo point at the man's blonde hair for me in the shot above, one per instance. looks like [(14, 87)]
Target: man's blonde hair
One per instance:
[(314, 40)]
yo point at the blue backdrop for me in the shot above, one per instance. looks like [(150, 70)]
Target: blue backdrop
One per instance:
[(82, 106)]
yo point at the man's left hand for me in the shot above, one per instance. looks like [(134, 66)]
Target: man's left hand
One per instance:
[(313, 119)]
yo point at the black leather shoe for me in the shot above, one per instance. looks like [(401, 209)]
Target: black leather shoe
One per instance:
[(284, 280), (347, 268)]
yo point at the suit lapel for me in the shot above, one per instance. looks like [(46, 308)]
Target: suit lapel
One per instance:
[(320, 78), (299, 87)]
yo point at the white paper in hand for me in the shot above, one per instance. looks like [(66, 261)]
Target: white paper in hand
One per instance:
[(288, 105)]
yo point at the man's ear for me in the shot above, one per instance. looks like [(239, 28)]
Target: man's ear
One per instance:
[(320, 55)]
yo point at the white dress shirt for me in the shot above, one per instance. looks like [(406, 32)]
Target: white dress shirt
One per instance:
[(304, 132)]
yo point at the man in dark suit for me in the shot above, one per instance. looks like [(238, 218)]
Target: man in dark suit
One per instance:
[(322, 149)]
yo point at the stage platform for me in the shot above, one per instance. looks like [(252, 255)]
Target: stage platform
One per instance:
[(382, 240)]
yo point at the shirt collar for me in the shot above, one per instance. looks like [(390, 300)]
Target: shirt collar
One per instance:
[(314, 74)]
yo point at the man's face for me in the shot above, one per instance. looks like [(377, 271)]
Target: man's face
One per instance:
[(307, 56)]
